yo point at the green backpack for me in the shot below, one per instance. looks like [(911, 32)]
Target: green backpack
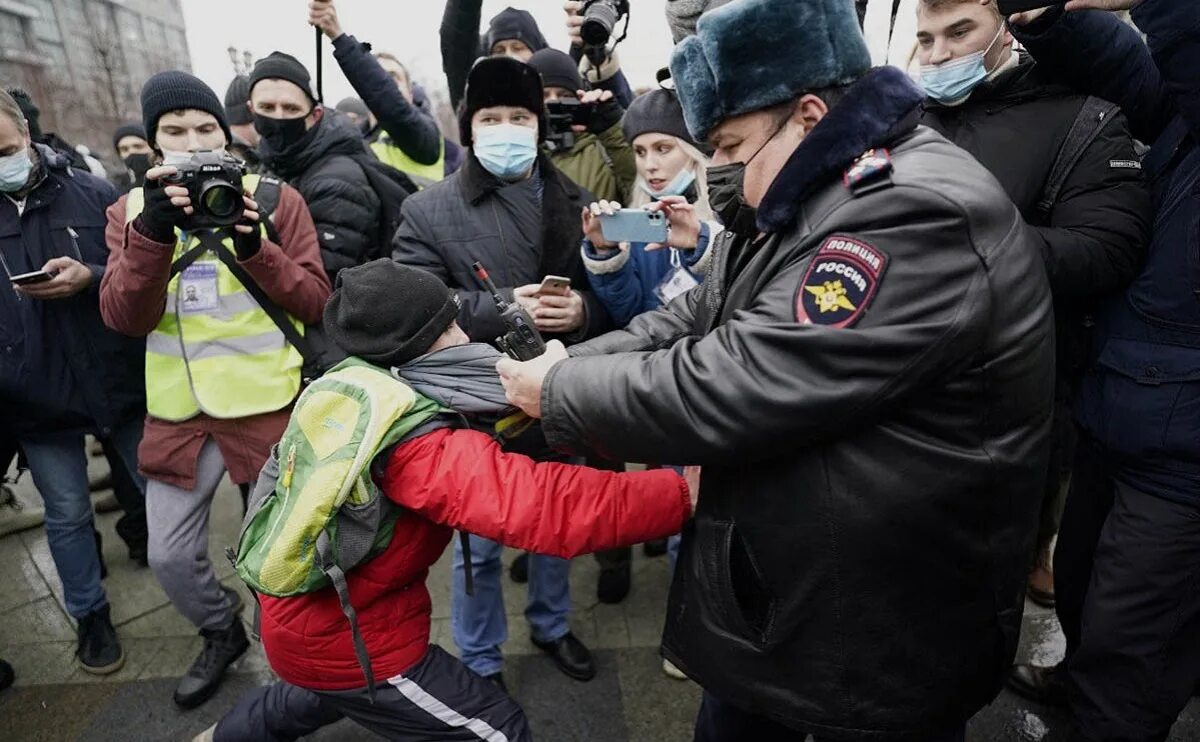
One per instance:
[(315, 512)]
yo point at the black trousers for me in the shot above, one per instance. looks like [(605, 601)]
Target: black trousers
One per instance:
[(719, 721), (436, 699), (131, 526), (1127, 579)]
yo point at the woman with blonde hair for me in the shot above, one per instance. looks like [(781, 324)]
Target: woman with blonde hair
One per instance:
[(631, 278)]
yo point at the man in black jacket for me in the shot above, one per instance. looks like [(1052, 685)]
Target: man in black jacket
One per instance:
[(866, 377), (320, 157), (512, 210), (1093, 232)]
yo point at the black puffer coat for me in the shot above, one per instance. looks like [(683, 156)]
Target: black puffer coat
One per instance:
[(344, 207)]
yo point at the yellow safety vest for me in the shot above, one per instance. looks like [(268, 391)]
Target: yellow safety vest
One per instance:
[(215, 350), (422, 175)]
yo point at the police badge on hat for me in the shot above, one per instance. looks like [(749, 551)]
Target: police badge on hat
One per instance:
[(840, 282)]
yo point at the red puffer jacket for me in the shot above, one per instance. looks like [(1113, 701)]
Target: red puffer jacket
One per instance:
[(459, 479)]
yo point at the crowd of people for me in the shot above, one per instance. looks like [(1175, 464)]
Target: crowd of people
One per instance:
[(894, 350)]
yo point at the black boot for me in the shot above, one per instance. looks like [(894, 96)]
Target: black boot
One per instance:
[(497, 679), (99, 651), (221, 648), (519, 571), (613, 584), (1042, 684), (570, 655)]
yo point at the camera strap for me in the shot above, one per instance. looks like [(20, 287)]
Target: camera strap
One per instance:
[(210, 240)]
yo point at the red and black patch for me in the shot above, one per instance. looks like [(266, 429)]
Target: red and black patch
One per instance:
[(840, 283)]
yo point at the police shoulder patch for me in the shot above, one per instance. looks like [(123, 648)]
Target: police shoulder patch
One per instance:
[(840, 282)]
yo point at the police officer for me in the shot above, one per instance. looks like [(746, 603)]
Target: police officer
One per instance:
[(1129, 548), (866, 379)]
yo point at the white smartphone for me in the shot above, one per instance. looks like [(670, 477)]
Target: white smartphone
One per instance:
[(555, 286)]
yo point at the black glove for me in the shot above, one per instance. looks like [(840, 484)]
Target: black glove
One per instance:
[(607, 115), (247, 245), (159, 216)]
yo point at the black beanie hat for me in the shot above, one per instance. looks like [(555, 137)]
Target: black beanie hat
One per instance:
[(29, 110), (511, 23), (280, 66), (131, 129), (237, 95), (176, 91), (501, 81), (388, 314), (557, 69), (656, 111)]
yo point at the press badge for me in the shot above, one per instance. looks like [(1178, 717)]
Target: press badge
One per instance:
[(198, 288), (679, 281)]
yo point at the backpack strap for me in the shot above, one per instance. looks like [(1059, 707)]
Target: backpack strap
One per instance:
[(338, 578), (211, 241), (1089, 122)]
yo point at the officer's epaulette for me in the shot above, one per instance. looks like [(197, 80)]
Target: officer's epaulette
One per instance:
[(872, 171)]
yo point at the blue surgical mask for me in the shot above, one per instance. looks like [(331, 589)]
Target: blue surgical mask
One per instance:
[(14, 171), (505, 150), (678, 186), (953, 81)]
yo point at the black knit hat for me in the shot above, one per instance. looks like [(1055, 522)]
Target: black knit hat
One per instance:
[(280, 66), (131, 129), (29, 110), (177, 91), (511, 23), (501, 81), (388, 314), (237, 95), (557, 69), (657, 111)]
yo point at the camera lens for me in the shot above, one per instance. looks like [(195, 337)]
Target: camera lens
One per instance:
[(598, 22), (221, 200)]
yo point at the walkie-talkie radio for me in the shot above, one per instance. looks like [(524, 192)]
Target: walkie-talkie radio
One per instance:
[(522, 341)]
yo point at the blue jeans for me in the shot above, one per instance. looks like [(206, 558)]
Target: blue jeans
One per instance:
[(479, 624), (58, 464)]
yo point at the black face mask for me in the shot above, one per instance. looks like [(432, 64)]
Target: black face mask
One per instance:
[(727, 193), (280, 134), (138, 164)]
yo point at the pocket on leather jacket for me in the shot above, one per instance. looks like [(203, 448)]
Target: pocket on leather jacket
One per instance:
[(740, 598)]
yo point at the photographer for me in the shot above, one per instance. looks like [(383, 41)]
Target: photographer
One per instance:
[(220, 374), (1129, 548), (63, 374), (593, 154), (411, 141), (512, 210)]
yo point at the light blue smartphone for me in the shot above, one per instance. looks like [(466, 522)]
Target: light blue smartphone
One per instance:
[(634, 225)]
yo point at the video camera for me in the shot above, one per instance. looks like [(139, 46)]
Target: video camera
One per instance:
[(214, 184), (600, 18), (561, 115)]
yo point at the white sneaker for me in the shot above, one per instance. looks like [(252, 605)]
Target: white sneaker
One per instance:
[(673, 672)]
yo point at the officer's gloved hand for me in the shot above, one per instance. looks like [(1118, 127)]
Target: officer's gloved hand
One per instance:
[(159, 216), (247, 234)]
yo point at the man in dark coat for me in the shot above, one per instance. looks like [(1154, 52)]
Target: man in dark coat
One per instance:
[(1129, 548), (62, 372), (512, 210), (866, 377), (1093, 232), (318, 156)]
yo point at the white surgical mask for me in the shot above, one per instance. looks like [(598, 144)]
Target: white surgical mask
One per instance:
[(678, 186), (505, 150)]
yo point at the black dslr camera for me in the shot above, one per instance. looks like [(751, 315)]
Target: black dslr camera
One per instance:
[(561, 115), (600, 18), (214, 184)]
